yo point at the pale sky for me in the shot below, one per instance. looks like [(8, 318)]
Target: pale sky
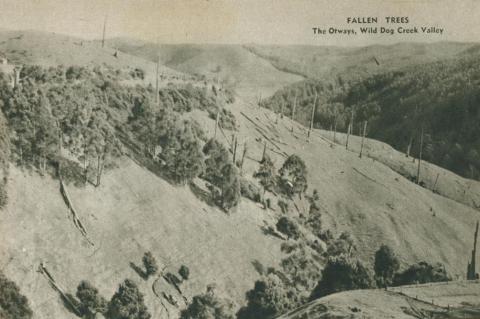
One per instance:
[(241, 21)]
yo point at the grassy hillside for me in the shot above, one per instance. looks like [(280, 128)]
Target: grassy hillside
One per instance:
[(440, 97), (404, 303)]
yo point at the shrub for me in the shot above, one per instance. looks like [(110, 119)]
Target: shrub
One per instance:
[(266, 174), (128, 303), (250, 190), (90, 301), (421, 273), (342, 273), (13, 305), (3, 195), (269, 298), (208, 306), (150, 264), (343, 245), (385, 266), (184, 272), (293, 176), (288, 227)]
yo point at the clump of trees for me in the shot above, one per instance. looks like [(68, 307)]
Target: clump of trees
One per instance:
[(150, 264), (90, 301), (127, 303), (208, 306), (421, 273), (222, 175), (13, 304), (288, 227), (269, 297), (266, 174), (343, 273), (385, 266), (293, 176)]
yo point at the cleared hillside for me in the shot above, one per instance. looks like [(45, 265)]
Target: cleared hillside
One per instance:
[(401, 303)]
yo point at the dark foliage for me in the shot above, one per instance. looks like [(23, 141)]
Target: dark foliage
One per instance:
[(208, 306), (128, 303), (385, 266), (13, 305), (422, 272), (184, 272), (293, 176), (90, 300), (342, 273), (288, 227), (150, 264)]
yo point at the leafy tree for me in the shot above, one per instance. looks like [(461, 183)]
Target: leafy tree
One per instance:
[(386, 265), (184, 272), (150, 264), (230, 187), (288, 227), (13, 305), (293, 176), (342, 246), (342, 273), (269, 297), (128, 303), (266, 174), (216, 158), (421, 273), (208, 306), (90, 301)]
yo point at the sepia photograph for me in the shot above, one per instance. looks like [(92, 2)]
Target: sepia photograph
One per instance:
[(239, 159)]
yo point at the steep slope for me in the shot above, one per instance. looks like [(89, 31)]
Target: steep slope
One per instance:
[(132, 212), (365, 197)]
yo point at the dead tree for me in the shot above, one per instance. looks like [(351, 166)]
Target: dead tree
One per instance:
[(244, 153), (335, 124), (234, 149), (104, 29), (420, 157), (216, 124), (348, 135), (363, 137), (471, 271), (293, 109), (264, 150), (313, 115)]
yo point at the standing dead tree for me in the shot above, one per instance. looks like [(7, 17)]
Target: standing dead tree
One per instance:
[(363, 138), (471, 271), (312, 116), (420, 157)]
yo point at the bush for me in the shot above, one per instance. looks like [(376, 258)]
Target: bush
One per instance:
[(13, 305), (250, 190), (293, 176), (269, 297), (3, 195), (90, 301), (184, 272), (150, 264), (128, 303), (421, 273), (386, 265), (208, 306), (342, 273), (266, 174), (288, 227)]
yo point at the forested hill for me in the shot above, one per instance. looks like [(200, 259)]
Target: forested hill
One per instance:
[(441, 97)]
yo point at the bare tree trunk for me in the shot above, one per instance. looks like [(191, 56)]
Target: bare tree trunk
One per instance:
[(420, 157), (363, 137), (243, 157), (313, 115), (293, 109), (216, 125), (348, 135)]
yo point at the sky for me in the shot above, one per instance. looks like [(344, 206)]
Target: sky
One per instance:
[(242, 21)]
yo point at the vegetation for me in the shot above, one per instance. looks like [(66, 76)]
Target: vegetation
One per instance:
[(288, 227), (440, 97), (4, 157), (208, 306), (128, 303), (385, 266), (266, 174), (342, 273), (184, 272), (269, 297), (421, 273), (293, 176), (13, 305), (150, 264), (90, 302)]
